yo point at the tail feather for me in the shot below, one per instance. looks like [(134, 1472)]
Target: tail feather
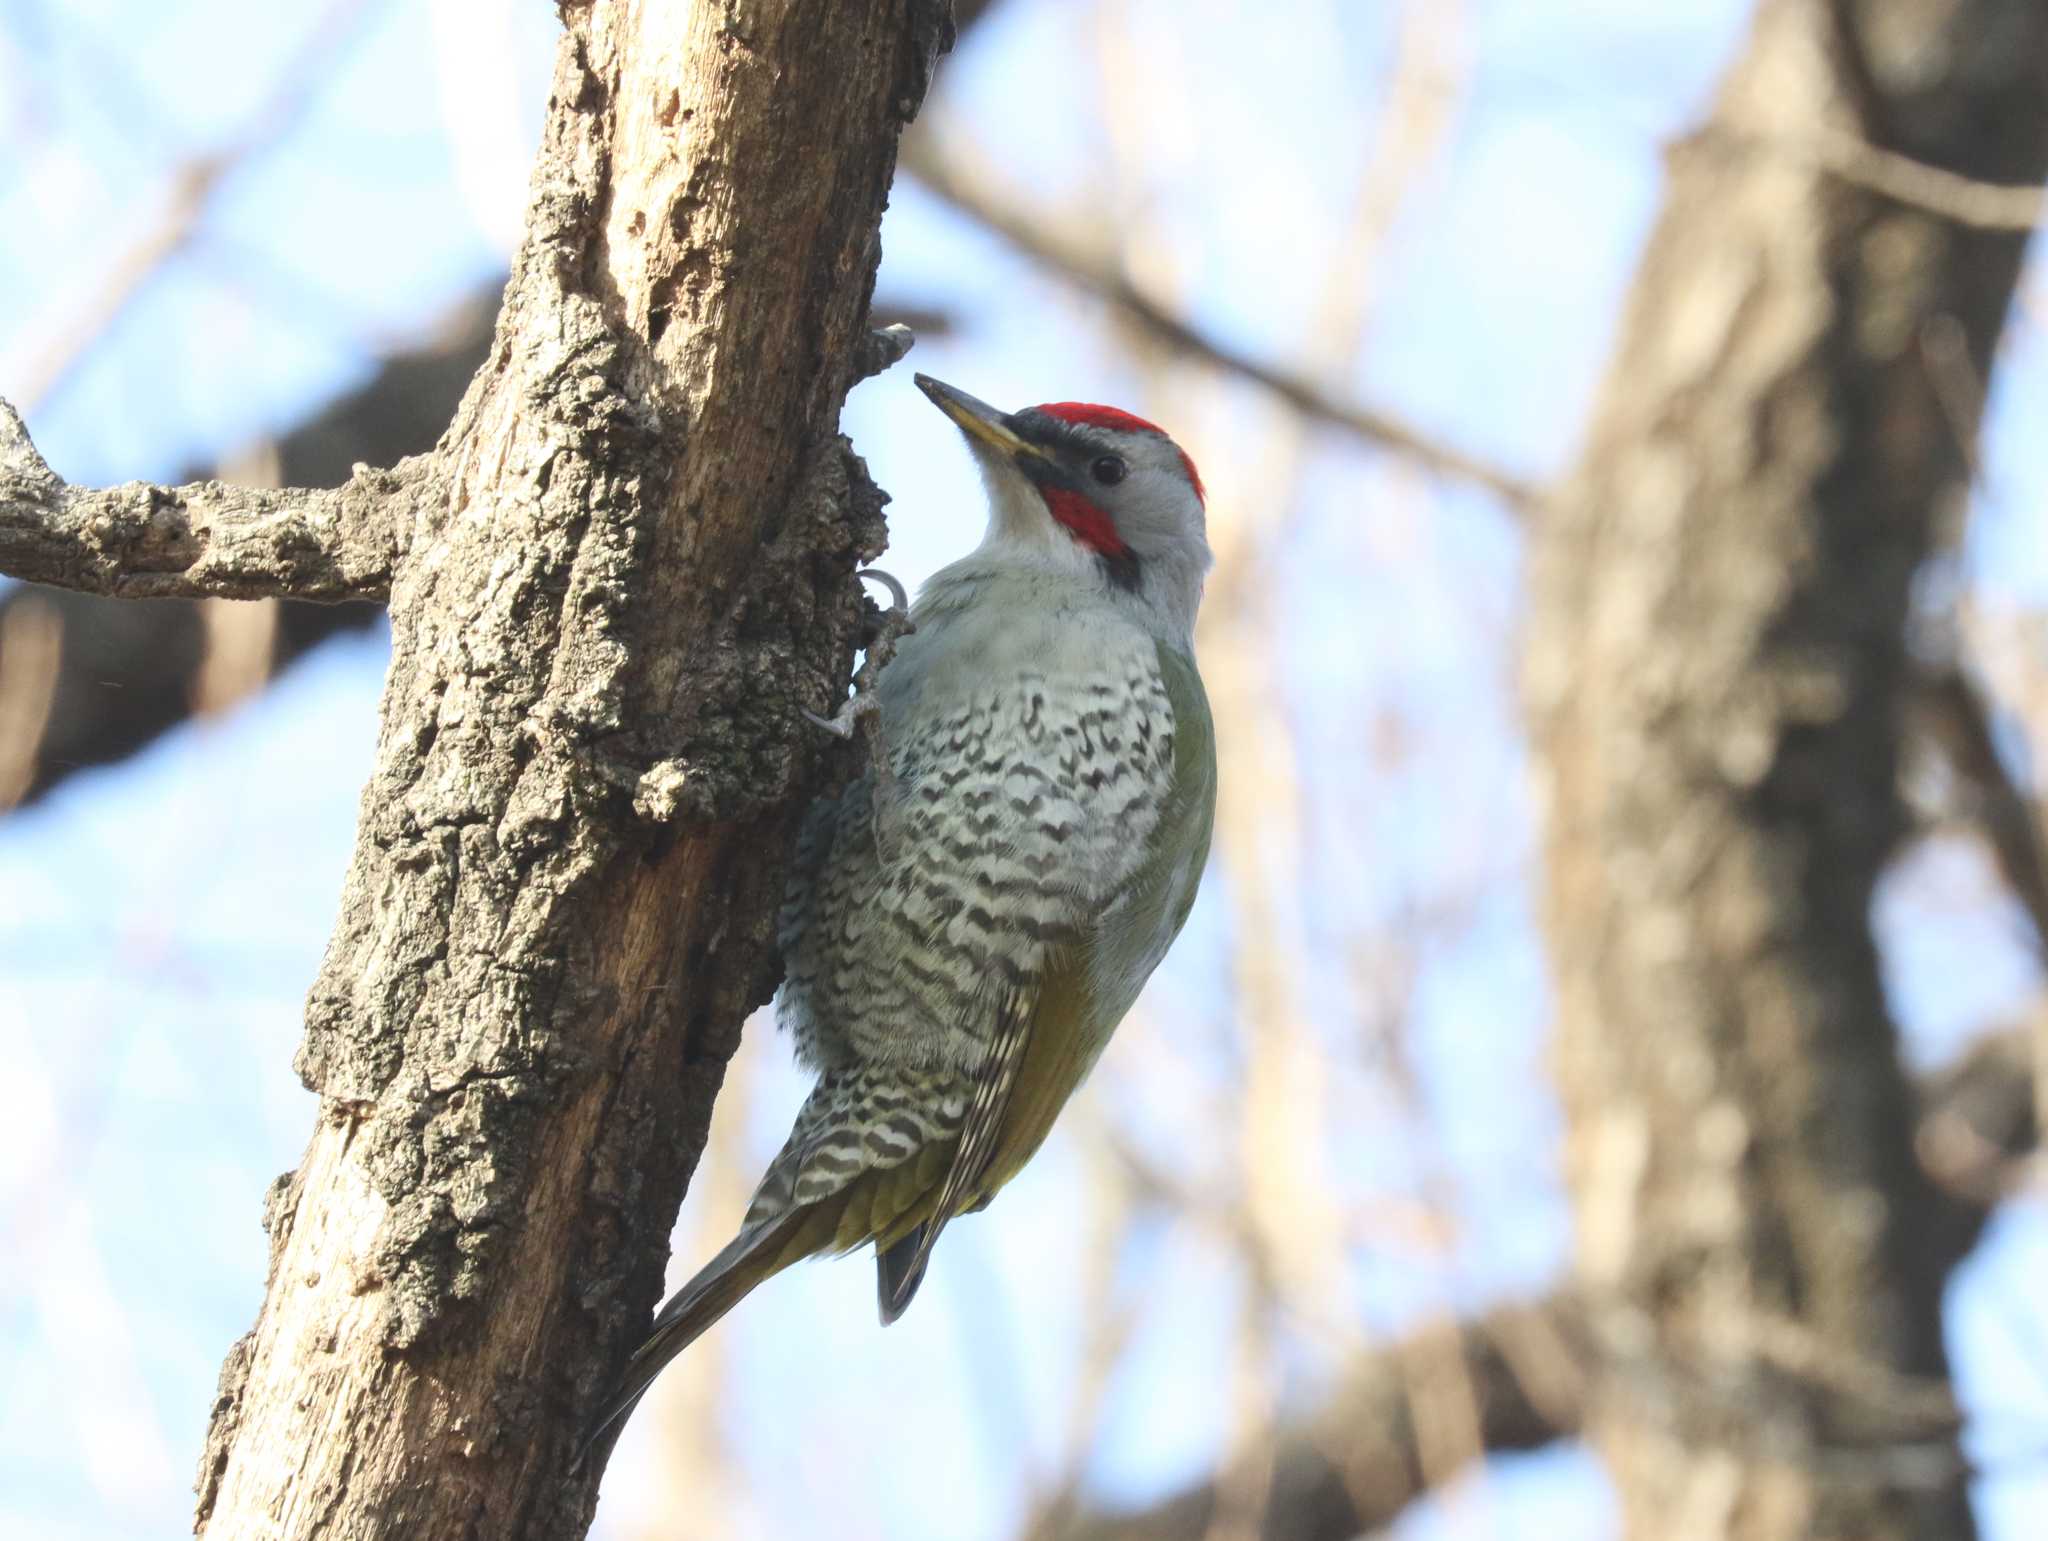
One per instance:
[(899, 1269), (868, 1155), (757, 1253)]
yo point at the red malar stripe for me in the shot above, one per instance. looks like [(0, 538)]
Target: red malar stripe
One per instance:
[(1091, 526)]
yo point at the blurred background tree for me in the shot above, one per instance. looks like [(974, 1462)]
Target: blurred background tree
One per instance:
[(1322, 1251)]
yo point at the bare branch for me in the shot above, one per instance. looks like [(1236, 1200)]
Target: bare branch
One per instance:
[(1356, 1464), (628, 563), (1875, 87), (1043, 236), (1529, 1371), (1701, 584), (1965, 200), (1969, 201), (1952, 710), (126, 673), (138, 541)]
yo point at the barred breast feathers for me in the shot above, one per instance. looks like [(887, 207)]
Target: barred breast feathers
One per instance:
[(1031, 762)]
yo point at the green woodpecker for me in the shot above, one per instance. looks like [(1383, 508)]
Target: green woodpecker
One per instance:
[(1054, 782)]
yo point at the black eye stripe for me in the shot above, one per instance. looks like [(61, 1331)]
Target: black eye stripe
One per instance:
[(1042, 472), (1076, 454)]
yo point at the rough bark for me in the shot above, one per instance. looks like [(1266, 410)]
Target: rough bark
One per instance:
[(117, 675), (126, 673), (206, 539), (629, 565), (1717, 671)]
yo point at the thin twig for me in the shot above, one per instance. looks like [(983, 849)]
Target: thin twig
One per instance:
[(1912, 184), (1955, 714), (1965, 200)]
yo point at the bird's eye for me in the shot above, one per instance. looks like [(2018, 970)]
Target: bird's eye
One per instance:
[(1109, 470)]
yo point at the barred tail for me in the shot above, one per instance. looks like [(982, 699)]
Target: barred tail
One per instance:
[(865, 1162), (759, 1252)]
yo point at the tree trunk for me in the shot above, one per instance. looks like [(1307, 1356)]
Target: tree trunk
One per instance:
[(630, 565), (117, 676), (1717, 668)]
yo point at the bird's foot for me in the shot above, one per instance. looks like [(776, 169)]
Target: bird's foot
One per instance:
[(864, 713), (842, 722), (863, 710), (898, 595)]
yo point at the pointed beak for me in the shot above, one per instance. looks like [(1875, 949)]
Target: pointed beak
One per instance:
[(979, 421)]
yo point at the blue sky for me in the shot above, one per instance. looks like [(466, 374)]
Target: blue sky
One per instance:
[(159, 921)]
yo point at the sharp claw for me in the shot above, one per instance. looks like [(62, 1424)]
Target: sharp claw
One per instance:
[(841, 725), (897, 593), (832, 725), (863, 710)]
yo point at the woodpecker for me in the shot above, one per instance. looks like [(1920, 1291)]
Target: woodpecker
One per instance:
[(1053, 788)]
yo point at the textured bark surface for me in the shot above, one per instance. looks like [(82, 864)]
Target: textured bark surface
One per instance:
[(1717, 670), (126, 673), (205, 539), (633, 567)]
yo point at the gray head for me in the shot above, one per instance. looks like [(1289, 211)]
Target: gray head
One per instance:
[(1093, 491)]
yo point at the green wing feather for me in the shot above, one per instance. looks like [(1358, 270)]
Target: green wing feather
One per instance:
[(900, 1266)]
